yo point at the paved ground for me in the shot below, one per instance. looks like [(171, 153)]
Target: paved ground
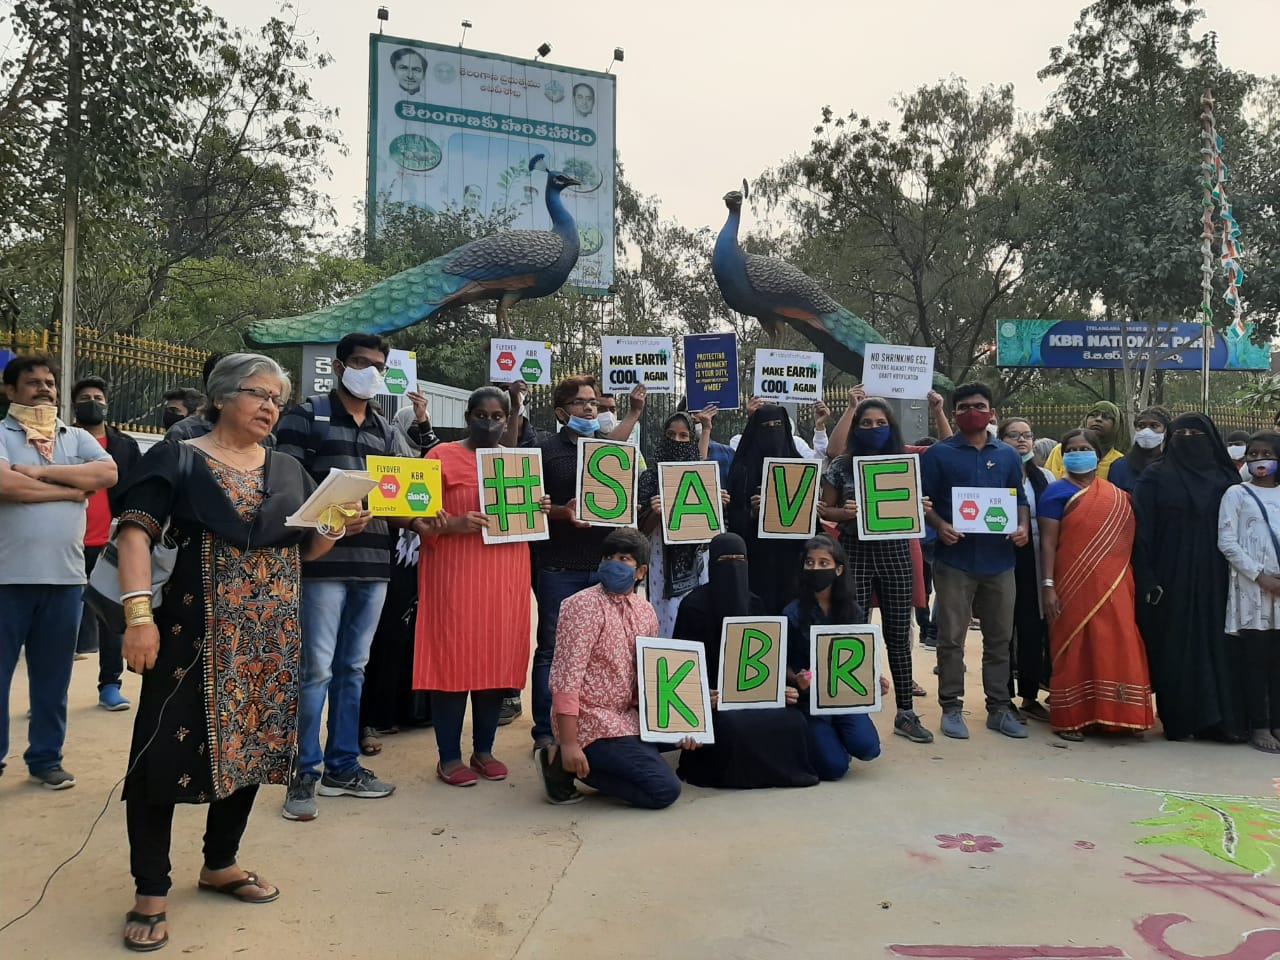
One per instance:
[(856, 869)]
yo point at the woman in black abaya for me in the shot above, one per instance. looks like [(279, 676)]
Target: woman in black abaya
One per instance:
[(1181, 580), (753, 748)]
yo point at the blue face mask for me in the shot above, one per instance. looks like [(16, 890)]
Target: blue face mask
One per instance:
[(588, 428), (1080, 462), (871, 438), (617, 577)]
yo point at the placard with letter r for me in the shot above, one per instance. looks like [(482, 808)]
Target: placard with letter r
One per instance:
[(846, 668), (890, 501), (789, 492), (753, 667), (511, 494), (675, 696), (607, 478)]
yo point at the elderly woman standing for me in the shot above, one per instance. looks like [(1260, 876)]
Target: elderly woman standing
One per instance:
[(219, 657)]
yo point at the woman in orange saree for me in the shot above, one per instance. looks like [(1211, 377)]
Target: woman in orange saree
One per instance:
[(1100, 677)]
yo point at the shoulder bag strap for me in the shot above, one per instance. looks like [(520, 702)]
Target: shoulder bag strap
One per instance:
[(1266, 520)]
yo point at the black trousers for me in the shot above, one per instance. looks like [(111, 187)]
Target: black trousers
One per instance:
[(1262, 677), (151, 828), (94, 635), (1030, 640)]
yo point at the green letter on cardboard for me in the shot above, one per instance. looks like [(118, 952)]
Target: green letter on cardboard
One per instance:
[(691, 482), (623, 503), (751, 661), (875, 496), (841, 670), (667, 696), (789, 507)]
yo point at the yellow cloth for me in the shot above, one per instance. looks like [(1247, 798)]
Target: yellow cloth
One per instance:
[(1054, 463), (40, 424)]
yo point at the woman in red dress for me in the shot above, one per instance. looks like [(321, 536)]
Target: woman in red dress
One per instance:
[(473, 604)]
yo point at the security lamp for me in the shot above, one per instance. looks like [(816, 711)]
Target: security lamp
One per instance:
[(543, 50), (618, 57), (384, 14)]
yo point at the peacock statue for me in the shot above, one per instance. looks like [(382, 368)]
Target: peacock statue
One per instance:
[(777, 293), (508, 267)]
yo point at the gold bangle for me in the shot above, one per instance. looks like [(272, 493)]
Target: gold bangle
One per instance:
[(140, 621), (137, 608)]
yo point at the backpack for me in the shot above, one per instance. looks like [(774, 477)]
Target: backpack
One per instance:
[(322, 410)]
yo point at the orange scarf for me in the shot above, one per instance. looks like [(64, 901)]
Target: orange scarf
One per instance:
[(40, 424)]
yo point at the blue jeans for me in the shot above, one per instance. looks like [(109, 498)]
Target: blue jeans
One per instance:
[(554, 588), (338, 621), (633, 771), (44, 619), (834, 737), (94, 636)]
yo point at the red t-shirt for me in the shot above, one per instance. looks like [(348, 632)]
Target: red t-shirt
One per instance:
[(97, 528)]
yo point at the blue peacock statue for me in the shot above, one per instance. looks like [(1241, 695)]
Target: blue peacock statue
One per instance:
[(776, 293), (507, 267)]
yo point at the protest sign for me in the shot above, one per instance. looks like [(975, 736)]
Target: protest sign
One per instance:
[(789, 492), (402, 373), (511, 494), (890, 503), (607, 477), (630, 362), (406, 487), (753, 672), (513, 360), (675, 696), (903, 372), (789, 375), (846, 668), (984, 509), (711, 370), (691, 506)]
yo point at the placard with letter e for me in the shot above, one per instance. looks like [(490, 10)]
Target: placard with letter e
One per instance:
[(846, 668), (984, 509), (675, 697), (890, 502), (691, 507), (407, 487), (511, 494), (607, 478), (753, 673), (789, 499)]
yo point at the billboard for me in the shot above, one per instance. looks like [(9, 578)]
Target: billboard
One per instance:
[(455, 128), (1090, 345)]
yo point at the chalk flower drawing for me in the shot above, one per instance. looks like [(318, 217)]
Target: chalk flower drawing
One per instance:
[(968, 843)]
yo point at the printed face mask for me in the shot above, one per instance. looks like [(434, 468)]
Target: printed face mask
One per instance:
[(363, 384), (1148, 439), (1263, 468), (1080, 462)]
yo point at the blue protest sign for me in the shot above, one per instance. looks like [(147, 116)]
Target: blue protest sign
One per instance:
[(711, 370)]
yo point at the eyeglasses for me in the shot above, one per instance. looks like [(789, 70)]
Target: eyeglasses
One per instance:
[(361, 363), (1020, 436), (262, 396), (579, 404)]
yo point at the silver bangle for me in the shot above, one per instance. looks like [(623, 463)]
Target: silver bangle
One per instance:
[(1046, 583)]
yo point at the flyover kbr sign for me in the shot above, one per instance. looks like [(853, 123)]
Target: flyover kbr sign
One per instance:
[(1090, 345)]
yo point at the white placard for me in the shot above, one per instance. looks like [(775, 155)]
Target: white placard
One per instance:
[(789, 375), (984, 509), (672, 683), (629, 362), (845, 660), (903, 372), (514, 360), (402, 373)]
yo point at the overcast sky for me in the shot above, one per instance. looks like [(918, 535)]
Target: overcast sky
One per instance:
[(711, 90)]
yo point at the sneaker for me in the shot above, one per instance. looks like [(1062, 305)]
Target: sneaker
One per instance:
[(300, 802), (953, 725), (1003, 721), (361, 783), (907, 724), (928, 642), (110, 698), (511, 708), (55, 778), (556, 780)]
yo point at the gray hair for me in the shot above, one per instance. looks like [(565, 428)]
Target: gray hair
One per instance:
[(232, 371)]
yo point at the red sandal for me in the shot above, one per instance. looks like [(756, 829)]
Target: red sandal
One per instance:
[(462, 777), (491, 770)]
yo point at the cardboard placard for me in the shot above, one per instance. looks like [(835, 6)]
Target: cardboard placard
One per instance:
[(846, 668), (711, 370), (607, 480), (675, 696), (902, 372), (984, 509), (406, 487), (629, 362), (511, 494), (513, 360), (890, 501), (691, 507), (788, 375), (789, 491), (402, 373), (753, 668)]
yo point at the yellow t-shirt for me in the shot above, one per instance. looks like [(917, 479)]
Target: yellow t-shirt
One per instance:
[(1054, 462)]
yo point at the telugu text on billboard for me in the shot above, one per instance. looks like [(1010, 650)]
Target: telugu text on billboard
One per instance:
[(1099, 345)]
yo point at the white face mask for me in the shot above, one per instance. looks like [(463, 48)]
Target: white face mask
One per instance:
[(607, 421), (1236, 451), (1148, 439), (363, 384)]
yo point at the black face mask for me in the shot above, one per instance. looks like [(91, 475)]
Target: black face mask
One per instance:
[(170, 417), (486, 433), (816, 580), (90, 413)]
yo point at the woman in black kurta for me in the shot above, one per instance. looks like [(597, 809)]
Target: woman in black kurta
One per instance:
[(1181, 580), (753, 748)]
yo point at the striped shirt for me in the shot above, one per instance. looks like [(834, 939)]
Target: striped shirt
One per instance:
[(347, 444)]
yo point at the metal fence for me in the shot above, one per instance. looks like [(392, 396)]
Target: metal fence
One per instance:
[(1056, 419)]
